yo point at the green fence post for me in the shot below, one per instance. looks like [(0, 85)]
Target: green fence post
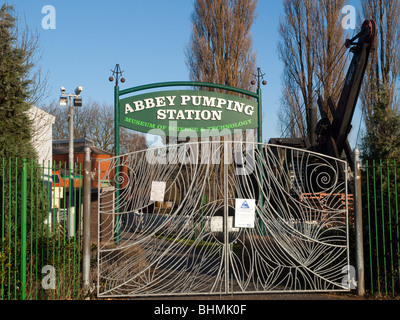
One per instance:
[(3, 215), (383, 225), (23, 228), (369, 227), (15, 227), (397, 216), (390, 224), (376, 227)]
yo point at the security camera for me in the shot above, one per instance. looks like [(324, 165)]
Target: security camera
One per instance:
[(78, 90), (62, 90)]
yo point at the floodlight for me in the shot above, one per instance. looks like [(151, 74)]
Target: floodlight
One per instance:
[(78, 90), (63, 101)]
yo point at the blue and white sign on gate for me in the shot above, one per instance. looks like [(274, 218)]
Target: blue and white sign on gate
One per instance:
[(245, 213)]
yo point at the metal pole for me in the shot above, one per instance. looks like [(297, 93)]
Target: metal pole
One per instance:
[(86, 219), (117, 218), (71, 208), (23, 229), (71, 136), (260, 150), (259, 130), (116, 120), (226, 215), (358, 225)]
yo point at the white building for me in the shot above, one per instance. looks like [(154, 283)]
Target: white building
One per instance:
[(42, 138)]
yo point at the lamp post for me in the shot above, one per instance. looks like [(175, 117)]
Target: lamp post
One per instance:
[(77, 102), (257, 80), (259, 76), (117, 73)]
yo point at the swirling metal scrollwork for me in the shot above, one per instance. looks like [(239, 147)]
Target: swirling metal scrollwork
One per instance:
[(189, 244)]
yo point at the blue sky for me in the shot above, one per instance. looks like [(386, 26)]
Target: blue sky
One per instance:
[(147, 38)]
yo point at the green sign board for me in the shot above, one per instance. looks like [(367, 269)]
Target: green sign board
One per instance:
[(191, 113), (203, 112)]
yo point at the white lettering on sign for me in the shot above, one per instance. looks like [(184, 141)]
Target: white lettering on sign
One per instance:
[(213, 115)]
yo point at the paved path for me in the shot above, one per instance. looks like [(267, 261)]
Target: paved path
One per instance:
[(260, 297)]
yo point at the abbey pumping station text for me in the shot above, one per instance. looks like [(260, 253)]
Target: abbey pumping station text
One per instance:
[(201, 112), (189, 114)]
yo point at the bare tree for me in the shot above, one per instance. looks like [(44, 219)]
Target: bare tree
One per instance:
[(384, 69), (96, 122), (379, 97), (131, 141), (60, 125), (92, 120), (29, 42), (310, 48), (220, 50)]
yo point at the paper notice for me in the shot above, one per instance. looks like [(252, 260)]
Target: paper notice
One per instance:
[(157, 191), (245, 210)]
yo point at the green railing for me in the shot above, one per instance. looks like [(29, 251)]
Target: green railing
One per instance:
[(40, 226), (380, 183), (41, 253)]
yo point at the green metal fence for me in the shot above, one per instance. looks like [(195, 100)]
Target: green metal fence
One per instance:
[(40, 226), (381, 200)]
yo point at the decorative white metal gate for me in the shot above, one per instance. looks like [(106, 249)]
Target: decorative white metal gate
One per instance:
[(189, 243)]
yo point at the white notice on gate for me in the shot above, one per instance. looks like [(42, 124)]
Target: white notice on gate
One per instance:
[(245, 212), (157, 191)]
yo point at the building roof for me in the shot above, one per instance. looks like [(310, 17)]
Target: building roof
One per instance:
[(77, 142), (80, 149), (61, 146)]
